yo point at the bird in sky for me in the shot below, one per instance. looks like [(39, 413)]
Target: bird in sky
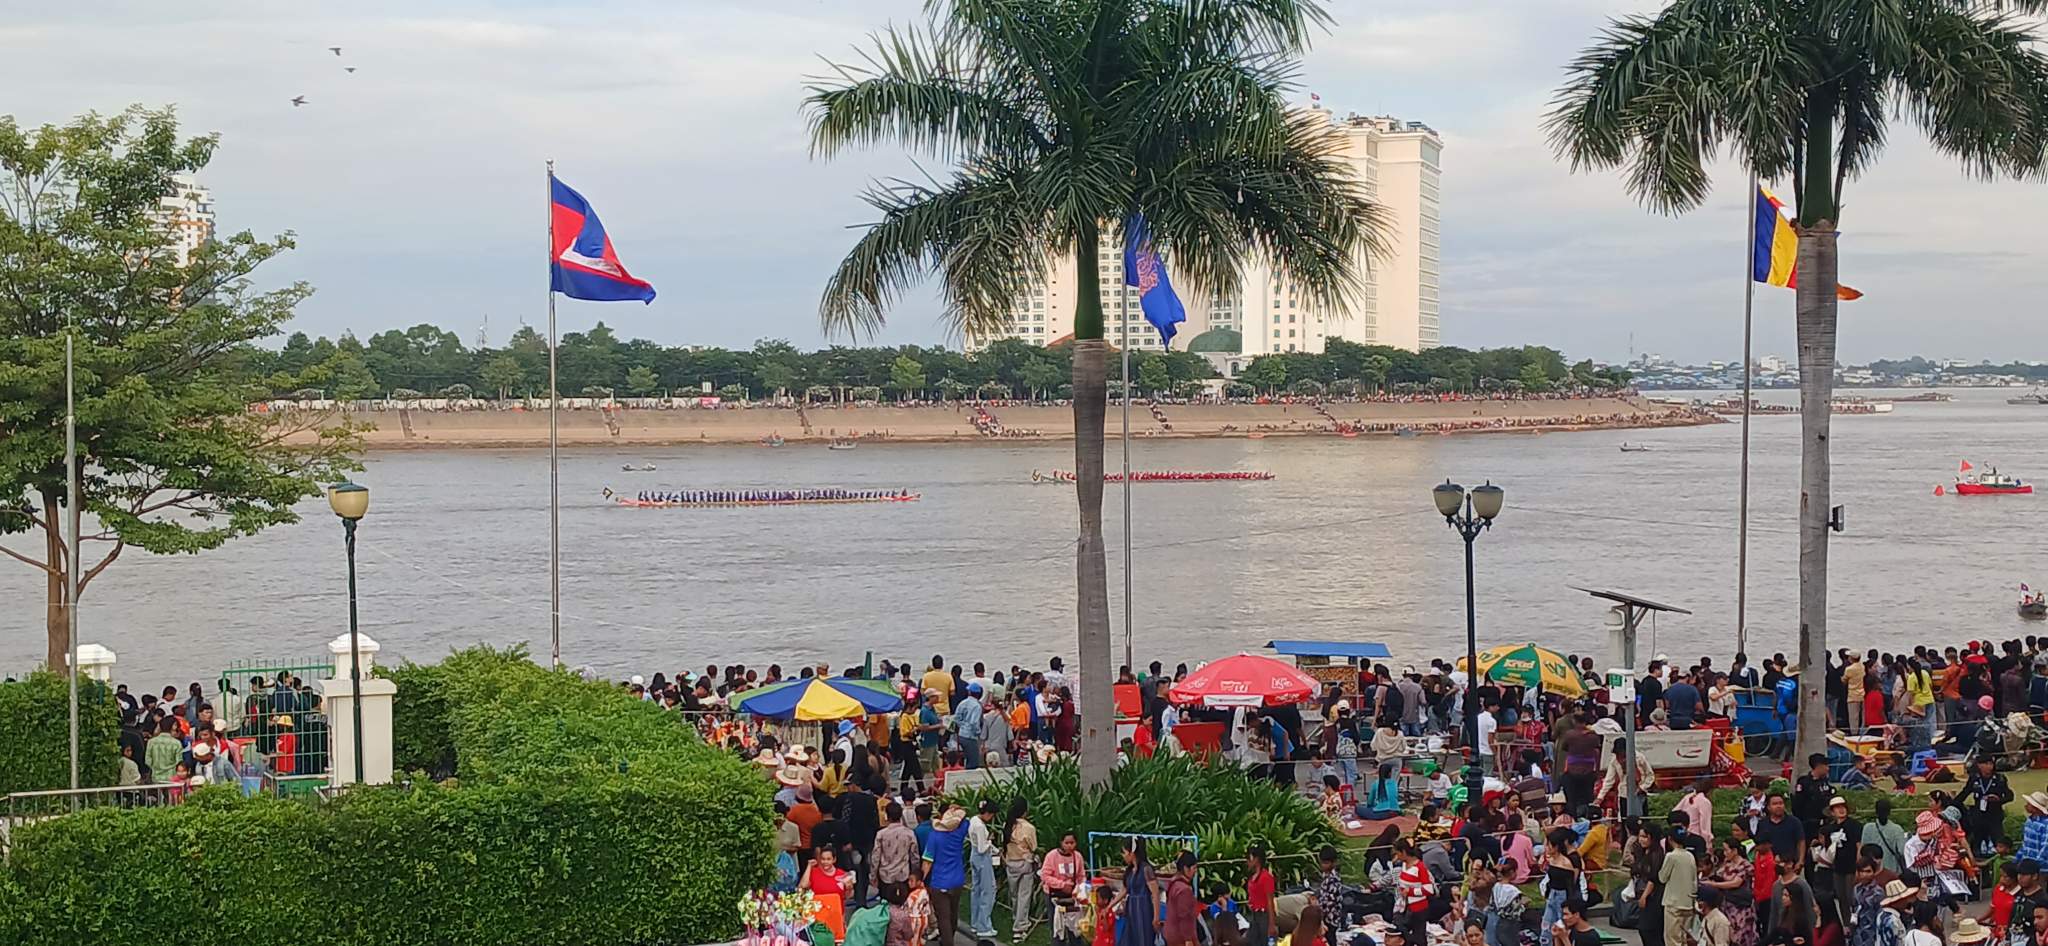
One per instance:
[(334, 49), (298, 100)]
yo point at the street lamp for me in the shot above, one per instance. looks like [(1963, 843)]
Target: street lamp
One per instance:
[(351, 501), (1470, 512)]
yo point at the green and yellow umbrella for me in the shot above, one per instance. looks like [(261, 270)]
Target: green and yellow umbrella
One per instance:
[(1529, 665)]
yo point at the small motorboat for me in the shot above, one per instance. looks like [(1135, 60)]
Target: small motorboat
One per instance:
[(2034, 608), (1970, 482), (643, 468), (841, 445), (772, 440), (1627, 447)]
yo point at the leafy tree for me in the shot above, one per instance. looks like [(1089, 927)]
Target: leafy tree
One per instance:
[(906, 375), (456, 390), (169, 458), (1040, 376), (733, 392), (501, 373), (1265, 373), (1063, 120), (406, 394), (951, 388), (1153, 375), (641, 381), (1533, 379), (1806, 89), (868, 393), (1305, 387)]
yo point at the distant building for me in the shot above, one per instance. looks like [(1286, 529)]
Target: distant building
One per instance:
[(186, 213), (1399, 164), (1772, 364)]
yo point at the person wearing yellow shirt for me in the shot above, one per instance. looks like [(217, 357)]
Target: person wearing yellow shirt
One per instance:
[(937, 680)]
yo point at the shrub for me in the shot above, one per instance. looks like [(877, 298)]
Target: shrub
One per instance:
[(1217, 802), (582, 815), (35, 734)]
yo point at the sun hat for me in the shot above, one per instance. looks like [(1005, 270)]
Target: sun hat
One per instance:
[(2037, 801), (1897, 891), (1838, 802), (1968, 930), (791, 775), (845, 726), (637, 680), (1926, 823), (202, 750), (1953, 816), (767, 759), (283, 721)]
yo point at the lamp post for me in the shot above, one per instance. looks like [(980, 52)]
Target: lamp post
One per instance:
[(1470, 512), (351, 501)]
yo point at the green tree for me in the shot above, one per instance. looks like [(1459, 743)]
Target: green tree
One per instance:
[(1040, 376), (1265, 373), (501, 373), (906, 375), (640, 380), (1805, 89), (1533, 379), (1063, 120), (1153, 375), (170, 459)]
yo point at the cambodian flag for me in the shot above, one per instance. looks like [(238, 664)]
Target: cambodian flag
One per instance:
[(1144, 269), (583, 264)]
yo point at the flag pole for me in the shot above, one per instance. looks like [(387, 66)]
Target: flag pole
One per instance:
[(1748, 369), (71, 566), (1124, 332), (554, 464)]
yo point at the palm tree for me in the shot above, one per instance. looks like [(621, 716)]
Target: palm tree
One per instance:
[(1805, 89), (1062, 118)]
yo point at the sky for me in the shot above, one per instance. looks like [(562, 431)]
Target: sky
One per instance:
[(416, 185)]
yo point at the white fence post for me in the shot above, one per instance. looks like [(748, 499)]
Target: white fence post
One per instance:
[(378, 697)]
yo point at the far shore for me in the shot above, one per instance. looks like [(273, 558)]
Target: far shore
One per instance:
[(1007, 422)]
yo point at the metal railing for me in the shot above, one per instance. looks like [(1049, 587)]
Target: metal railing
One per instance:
[(281, 721), (28, 807)]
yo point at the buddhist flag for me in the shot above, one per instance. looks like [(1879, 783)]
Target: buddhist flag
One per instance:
[(1776, 255)]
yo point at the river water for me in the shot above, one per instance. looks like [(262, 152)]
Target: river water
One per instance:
[(1343, 545)]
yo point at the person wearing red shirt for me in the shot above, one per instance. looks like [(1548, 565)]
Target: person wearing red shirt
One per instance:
[(1183, 910), (1258, 897), (1416, 887)]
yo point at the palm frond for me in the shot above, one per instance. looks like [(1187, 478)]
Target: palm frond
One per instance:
[(982, 233), (1975, 84), (923, 92)]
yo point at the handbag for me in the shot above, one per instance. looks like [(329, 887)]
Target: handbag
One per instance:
[(1627, 914)]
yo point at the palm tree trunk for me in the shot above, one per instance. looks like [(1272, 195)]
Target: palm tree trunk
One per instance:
[(56, 620), (1817, 272), (1091, 568)]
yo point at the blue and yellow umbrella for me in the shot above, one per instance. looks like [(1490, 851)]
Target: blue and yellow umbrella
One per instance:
[(1529, 665), (818, 699)]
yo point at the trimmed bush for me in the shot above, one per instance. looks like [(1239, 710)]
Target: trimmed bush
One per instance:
[(1217, 802), (581, 815), (35, 734)]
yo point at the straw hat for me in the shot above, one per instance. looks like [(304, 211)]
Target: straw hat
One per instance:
[(767, 759), (1968, 930), (1897, 892), (2037, 801), (791, 776), (800, 754)]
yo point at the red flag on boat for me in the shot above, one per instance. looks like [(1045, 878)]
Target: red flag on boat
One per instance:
[(1965, 467)]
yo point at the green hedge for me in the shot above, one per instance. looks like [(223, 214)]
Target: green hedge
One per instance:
[(35, 734), (1217, 802), (613, 825)]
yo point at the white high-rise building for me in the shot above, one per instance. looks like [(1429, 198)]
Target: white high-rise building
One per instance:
[(186, 212), (1398, 163)]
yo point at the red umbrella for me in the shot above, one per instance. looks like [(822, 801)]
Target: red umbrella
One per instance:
[(1245, 680)]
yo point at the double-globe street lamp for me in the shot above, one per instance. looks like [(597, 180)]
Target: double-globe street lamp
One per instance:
[(1470, 512), (351, 501)]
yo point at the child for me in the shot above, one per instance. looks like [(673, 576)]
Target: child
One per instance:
[(1333, 797), (1103, 918), (954, 762), (1221, 914), (1440, 788), (2002, 899)]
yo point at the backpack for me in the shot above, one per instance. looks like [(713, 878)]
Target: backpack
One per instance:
[(869, 926), (1392, 704)]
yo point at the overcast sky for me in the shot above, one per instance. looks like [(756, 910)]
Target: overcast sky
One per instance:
[(416, 184)]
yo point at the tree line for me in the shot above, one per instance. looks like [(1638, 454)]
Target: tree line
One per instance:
[(429, 361)]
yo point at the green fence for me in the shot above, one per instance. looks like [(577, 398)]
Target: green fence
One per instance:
[(273, 706)]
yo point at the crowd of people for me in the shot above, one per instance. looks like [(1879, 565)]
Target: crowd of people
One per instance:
[(864, 822), (182, 741)]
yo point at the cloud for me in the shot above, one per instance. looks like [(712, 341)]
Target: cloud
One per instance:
[(415, 184)]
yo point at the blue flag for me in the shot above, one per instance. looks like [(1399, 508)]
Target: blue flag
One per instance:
[(1144, 269)]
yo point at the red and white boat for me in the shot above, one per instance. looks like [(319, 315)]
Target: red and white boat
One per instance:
[(1969, 482)]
